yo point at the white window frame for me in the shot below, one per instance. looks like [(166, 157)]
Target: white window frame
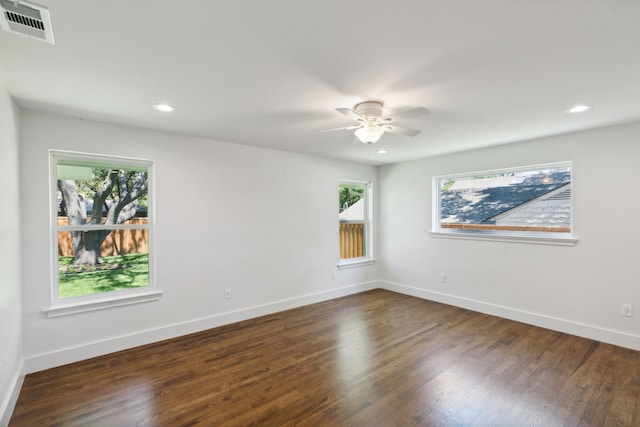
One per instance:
[(541, 237), (368, 259), (72, 305)]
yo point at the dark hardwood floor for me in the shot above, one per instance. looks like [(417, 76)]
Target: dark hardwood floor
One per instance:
[(372, 359)]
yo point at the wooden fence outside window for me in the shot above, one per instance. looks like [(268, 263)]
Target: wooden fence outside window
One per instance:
[(494, 227), (351, 240), (121, 242), (118, 242)]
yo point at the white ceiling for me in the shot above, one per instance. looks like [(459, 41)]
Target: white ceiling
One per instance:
[(270, 73)]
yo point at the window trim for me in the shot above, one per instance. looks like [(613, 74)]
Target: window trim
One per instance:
[(498, 237), (368, 259), (529, 237), (73, 305), (95, 304)]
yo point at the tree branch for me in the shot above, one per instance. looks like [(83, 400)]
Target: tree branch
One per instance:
[(122, 181), (117, 213), (100, 196), (75, 206)]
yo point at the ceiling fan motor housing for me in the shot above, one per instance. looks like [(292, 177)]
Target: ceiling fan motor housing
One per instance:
[(369, 110)]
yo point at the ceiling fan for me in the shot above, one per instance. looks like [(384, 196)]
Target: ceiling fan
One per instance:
[(372, 124)]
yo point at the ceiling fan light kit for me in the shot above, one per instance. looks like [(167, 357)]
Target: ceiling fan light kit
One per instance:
[(370, 133), (373, 124)]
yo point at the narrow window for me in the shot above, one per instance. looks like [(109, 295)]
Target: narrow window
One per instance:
[(101, 227), (354, 221), (533, 200)]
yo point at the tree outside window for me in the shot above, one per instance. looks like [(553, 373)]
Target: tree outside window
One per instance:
[(102, 225)]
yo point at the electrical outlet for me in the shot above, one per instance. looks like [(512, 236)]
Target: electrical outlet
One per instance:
[(333, 275), (627, 310), (227, 293), (443, 278)]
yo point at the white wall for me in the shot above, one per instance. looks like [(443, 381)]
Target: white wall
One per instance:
[(266, 227), (574, 289), (10, 286), (258, 221)]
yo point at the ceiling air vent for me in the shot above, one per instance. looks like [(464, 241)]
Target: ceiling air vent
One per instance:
[(28, 19)]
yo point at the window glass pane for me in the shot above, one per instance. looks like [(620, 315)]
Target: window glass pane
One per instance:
[(352, 215), (351, 202), (123, 262), (525, 200), (103, 191), (352, 235), (88, 195)]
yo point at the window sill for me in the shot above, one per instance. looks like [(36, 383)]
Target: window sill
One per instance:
[(360, 262), (491, 237), (85, 306)]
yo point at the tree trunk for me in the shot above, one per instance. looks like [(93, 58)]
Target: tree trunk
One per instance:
[(86, 244), (87, 249)]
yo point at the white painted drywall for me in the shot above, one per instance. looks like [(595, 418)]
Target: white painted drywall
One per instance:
[(264, 224), (576, 289), (261, 222), (10, 282)]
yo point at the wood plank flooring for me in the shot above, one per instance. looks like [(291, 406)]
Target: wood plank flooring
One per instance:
[(373, 359)]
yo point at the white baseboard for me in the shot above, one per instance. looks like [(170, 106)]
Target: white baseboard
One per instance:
[(92, 349), (9, 401), (622, 339)]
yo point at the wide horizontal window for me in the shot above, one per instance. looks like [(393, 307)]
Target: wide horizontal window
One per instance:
[(528, 201)]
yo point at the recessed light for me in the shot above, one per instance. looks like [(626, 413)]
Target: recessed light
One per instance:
[(579, 108), (166, 108), (381, 151)]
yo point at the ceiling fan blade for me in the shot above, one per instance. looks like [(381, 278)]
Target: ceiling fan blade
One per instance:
[(351, 114), (404, 115), (343, 128), (401, 131)]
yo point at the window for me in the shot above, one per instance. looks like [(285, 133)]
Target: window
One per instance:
[(102, 227), (532, 202), (354, 223)]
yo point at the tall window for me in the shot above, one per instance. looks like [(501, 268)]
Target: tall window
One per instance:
[(533, 200), (101, 227), (354, 221)]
